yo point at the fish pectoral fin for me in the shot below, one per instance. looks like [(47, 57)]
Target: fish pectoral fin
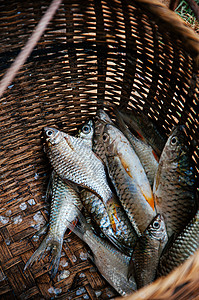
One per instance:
[(73, 224), (112, 212)]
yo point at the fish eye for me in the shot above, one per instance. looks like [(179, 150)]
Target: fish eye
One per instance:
[(49, 132), (173, 140), (86, 129), (105, 137), (156, 225)]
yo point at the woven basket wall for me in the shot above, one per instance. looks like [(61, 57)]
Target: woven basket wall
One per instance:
[(133, 54)]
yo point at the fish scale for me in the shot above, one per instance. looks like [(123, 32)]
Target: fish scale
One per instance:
[(174, 185), (147, 251), (185, 245), (73, 161), (125, 236)]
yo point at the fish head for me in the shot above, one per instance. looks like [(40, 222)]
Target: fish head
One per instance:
[(176, 144), (52, 135), (157, 229), (110, 138), (86, 132)]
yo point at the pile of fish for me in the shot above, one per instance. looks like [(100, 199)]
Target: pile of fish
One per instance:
[(132, 190)]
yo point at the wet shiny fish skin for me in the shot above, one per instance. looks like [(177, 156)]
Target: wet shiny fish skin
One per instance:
[(144, 151), (174, 185), (147, 251), (185, 245), (101, 119), (65, 206), (144, 126), (111, 263), (73, 160), (124, 237), (129, 178)]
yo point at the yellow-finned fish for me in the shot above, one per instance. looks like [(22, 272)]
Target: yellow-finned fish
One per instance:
[(65, 206), (129, 178), (175, 184), (146, 254)]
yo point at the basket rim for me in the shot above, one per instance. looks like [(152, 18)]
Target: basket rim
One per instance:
[(176, 24)]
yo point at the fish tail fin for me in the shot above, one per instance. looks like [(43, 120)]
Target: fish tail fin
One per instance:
[(52, 243)]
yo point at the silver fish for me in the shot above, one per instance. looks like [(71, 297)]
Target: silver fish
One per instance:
[(147, 251), (129, 178), (65, 206), (175, 184), (182, 247), (111, 263)]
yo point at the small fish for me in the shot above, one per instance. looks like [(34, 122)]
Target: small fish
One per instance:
[(147, 251), (111, 263), (185, 245), (124, 237), (101, 119), (175, 185), (73, 160), (65, 206), (148, 158), (145, 128), (129, 178)]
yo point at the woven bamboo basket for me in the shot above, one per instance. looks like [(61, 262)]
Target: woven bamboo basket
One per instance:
[(133, 54)]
